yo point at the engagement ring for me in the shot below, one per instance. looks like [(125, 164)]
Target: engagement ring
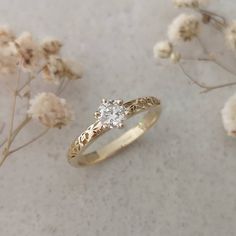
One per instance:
[(112, 114)]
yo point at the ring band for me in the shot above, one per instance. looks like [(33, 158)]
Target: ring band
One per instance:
[(111, 114)]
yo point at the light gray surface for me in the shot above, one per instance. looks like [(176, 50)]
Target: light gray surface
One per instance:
[(178, 180)]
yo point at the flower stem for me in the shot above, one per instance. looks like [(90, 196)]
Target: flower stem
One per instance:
[(17, 130), (7, 153), (191, 78), (214, 60), (210, 88), (29, 142), (13, 110), (2, 127), (219, 20), (206, 88), (31, 77)]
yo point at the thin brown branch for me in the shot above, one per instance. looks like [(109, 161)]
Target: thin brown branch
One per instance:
[(218, 19), (17, 130), (30, 78), (204, 48), (2, 127), (26, 83), (224, 67), (191, 78), (212, 14), (58, 91), (214, 60), (195, 59), (13, 108), (210, 88), (65, 85), (206, 88), (29, 142), (62, 86), (7, 153)]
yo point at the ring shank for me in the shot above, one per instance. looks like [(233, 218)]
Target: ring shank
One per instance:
[(119, 143)]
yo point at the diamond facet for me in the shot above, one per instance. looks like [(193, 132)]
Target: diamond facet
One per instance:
[(111, 113)]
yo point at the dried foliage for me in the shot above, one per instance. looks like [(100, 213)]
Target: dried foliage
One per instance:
[(26, 60), (188, 27)]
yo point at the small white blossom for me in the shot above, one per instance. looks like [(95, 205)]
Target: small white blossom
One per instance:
[(229, 116), (184, 28), (230, 35), (8, 59), (190, 3), (51, 46), (50, 110), (28, 51), (57, 69), (6, 36), (175, 57), (73, 70), (54, 71), (162, 49)]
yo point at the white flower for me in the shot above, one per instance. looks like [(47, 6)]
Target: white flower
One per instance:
[(229, 116), (28, 51), (184, 28), (190, 3), (6, 36), (50, 110), (230, 35), (8, 59), (73, 70), (51, 46), (54, 71), (175, 57), (162, 49), (57, 69)]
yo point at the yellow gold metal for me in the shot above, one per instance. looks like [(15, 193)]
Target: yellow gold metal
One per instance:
[(76, 156)]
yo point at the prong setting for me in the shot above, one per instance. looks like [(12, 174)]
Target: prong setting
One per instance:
[(121, 125), (104, 101), (119, 102), (111, 113), (97, 114)]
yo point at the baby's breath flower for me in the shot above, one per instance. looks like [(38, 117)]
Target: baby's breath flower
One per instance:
[(8, 59), (229, 116), (28, 51), (57, 69), (184, 28), (162, 49), (230, 35), (175, 57), (54, 71), (73, 70), (51, 46), (50, 110), (6, 36), (190, 3)]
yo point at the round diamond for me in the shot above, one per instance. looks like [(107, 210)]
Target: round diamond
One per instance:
[(111, 113)]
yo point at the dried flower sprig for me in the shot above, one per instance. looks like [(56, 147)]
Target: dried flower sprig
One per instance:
[(187, 28), (50, 110), (27, 60), (184, 28)]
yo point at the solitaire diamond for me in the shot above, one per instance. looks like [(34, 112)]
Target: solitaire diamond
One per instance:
[(111, 113)]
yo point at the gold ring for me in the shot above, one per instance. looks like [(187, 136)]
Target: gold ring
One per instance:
[(111, 114)]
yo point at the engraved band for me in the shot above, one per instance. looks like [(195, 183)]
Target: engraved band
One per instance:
[(113, 109)]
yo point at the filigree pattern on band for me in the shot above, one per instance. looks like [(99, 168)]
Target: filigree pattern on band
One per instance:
[(140, 105), (95, 130)]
